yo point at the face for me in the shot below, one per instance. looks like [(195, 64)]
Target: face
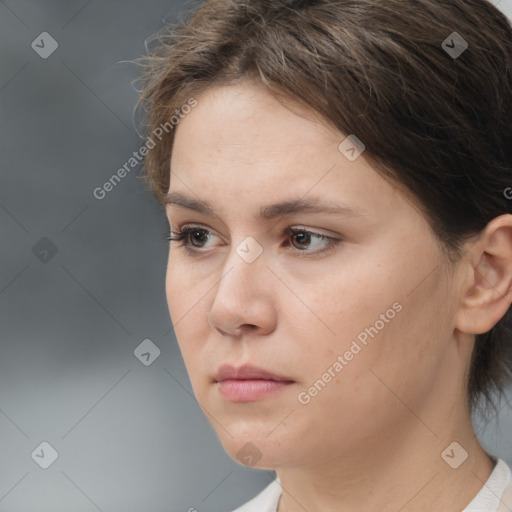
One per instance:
[(300, 324)]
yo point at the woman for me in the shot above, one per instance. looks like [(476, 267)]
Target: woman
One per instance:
[(336, 175)]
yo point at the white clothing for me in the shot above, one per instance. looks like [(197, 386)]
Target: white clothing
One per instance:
[(494, 496)]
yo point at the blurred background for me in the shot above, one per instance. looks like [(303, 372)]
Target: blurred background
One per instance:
[(96, 409)]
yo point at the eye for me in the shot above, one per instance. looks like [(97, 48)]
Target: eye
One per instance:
[(303, 237), (194, 239), (189, 235)]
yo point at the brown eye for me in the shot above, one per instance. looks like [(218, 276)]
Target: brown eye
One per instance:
[(199, 235), (302, 238), (304, 243), (190, 236)]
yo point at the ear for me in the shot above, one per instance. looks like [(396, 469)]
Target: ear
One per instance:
[(487, 292)]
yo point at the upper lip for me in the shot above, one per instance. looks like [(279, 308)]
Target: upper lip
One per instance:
[(246, 372)]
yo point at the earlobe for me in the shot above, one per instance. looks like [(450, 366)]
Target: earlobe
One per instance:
[(487, 294)]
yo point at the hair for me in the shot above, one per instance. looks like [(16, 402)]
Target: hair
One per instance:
[(436, 124)]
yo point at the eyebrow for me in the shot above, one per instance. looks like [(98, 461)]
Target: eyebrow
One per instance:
[(271, 211)]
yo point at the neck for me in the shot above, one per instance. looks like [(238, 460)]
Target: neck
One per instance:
[(406, 473)]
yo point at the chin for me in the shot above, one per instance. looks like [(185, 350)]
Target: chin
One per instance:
[(256, 455), (252, 447)]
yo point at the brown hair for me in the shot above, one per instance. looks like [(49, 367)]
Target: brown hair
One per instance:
[(435, 123)]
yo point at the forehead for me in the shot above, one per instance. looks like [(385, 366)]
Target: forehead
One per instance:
[(243, 122), (241, 145)]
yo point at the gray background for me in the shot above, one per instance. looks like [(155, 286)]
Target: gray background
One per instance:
[(82, 283)]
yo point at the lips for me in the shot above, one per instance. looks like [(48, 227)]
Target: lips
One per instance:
[(247, 372), (248, 383)]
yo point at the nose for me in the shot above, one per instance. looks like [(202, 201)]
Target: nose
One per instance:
[(244, 300)]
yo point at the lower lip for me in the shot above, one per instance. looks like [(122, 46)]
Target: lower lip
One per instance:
[(249, 390)]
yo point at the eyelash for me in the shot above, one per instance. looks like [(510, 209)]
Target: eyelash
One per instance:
[(184, 241)]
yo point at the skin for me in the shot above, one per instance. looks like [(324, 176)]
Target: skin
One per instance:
[(372, 438)]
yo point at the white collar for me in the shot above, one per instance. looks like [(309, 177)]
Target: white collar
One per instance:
[(489, 497)]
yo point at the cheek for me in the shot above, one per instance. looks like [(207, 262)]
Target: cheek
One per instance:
[(181, 291), (183, 301), (380, 328), (401, 363), (174, 288), (342, 305), (368, 394)]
